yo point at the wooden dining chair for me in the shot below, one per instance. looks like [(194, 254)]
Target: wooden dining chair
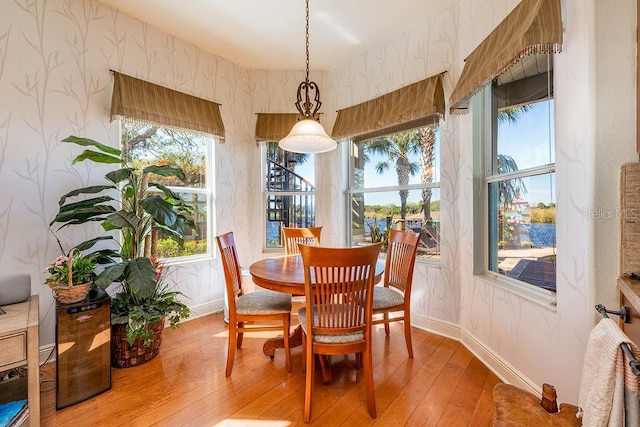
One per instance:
[(295, 236), (251, 307), (395, 293), (338, 300)]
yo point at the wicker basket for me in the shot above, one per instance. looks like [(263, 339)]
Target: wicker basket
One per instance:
[(72, 293), (125, 356)]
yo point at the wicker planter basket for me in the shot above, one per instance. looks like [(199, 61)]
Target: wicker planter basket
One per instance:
[(72, 293), (125, 356)]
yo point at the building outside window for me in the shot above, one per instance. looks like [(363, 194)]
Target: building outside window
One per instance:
[(519, 173), (144, 144), (289, 192), (395, 183)]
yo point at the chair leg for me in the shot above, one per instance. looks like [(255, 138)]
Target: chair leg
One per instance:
[(368, 381), (240, 334), (407, 333), (231, 348), (323, 361), (287, 351), (386, 323), (304, 352), (308, 388), (359, 360)]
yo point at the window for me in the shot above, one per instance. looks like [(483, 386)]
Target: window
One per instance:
[(289, 192), (144, 144), (519, 173), (395, 183)]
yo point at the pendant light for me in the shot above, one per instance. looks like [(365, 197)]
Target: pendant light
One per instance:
[(307, 135)]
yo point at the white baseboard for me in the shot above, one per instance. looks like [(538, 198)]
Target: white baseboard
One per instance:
[(501, 368), (440, 327), (47, 354), (505, 371), (206, 309)]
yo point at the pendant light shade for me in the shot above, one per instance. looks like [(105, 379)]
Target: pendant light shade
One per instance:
[(308, 135)]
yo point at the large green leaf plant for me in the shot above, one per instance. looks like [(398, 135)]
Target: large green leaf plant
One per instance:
[(144, 207)]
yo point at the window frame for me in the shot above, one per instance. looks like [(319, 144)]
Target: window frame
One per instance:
[(265, 193), (350, 191), (207, 190), (485, 146)]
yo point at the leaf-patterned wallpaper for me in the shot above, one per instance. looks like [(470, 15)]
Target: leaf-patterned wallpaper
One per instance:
[(55, 57)]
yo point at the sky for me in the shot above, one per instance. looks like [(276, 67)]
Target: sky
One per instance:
[(530, 141), (526, 140)]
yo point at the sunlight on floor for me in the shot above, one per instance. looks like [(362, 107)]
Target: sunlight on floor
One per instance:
[(244, 422)]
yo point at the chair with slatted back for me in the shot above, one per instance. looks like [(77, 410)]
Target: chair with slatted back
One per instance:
[(257, 306), (295, 236), (338, 300), (395, 293)]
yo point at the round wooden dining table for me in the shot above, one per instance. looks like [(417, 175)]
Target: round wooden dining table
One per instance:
[(282, 274), (286, 274)]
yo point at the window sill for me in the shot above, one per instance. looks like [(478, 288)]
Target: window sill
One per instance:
[(537, 296), (279, 251), (428, 262), (187, 259)]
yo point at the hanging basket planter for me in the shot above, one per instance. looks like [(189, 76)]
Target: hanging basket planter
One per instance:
[(70, 293), (124, 355)]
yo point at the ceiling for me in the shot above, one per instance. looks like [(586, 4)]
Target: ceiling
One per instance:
[(270, 34)]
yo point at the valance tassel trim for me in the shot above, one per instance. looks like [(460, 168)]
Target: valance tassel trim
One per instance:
[(540, 49)]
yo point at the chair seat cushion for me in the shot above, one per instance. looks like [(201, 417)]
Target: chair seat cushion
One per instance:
[(325, 338), (385, 297), (263, 302)]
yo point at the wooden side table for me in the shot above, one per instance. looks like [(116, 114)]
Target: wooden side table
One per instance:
[(21, 345)]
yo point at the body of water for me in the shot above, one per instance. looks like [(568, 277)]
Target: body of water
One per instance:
[(543, 235)]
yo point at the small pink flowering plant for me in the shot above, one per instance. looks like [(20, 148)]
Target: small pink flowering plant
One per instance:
[(82, 270)]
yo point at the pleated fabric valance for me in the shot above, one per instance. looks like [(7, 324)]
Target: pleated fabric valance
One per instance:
[(532, 27), (409, 107), (140, 100), (274, 126)]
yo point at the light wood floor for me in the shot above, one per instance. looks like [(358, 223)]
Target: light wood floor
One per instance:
[(444, 385)]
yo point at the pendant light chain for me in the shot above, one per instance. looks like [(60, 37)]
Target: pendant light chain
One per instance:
[(307, 37)]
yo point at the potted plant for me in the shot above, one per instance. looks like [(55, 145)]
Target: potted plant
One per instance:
[(71, 276), (144, 299), (380, 236)]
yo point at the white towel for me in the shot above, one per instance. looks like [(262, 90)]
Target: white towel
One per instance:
[(603, 388)]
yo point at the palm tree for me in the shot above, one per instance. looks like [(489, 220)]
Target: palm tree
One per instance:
[(397, 148), (512, 114), (511, 189), (427, 156)]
